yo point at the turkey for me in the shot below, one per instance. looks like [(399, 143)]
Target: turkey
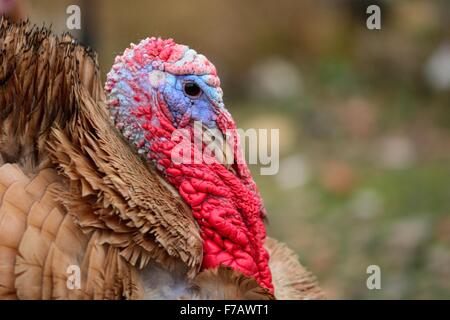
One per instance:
[(88, 181)]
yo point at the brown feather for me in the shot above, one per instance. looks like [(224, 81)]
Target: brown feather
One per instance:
[(291, 280), (224, 283), (109, 209)]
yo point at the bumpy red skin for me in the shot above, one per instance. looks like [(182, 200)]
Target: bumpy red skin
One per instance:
[(227, 206)]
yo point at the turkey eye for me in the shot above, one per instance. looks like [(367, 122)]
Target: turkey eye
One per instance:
[(192, 89)]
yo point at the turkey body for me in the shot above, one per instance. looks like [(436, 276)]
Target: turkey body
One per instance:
[(75, 195)]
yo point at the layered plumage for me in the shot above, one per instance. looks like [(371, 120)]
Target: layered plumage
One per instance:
[(76, 191)]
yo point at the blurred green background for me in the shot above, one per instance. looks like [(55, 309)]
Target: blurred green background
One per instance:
[(364, 119)]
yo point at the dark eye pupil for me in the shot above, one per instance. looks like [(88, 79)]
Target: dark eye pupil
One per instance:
[(191, 89)]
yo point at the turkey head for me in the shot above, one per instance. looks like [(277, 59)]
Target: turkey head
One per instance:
[(163, 97)]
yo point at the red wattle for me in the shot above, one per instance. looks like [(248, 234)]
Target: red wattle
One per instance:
[(226, 207)]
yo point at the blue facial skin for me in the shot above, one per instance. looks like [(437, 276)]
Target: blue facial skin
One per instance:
[(200, 108)]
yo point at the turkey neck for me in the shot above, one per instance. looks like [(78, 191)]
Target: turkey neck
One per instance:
[(225, 203)]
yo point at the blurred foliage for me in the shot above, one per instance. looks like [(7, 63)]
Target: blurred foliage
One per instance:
[(363, 115)]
